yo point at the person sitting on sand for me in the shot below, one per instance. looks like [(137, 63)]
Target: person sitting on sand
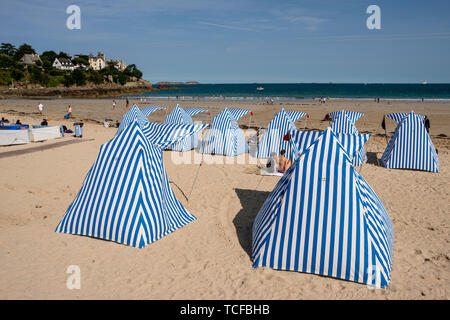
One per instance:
[(69, 113), (283, 162), (44, 122), (4, 120), (18, 122)]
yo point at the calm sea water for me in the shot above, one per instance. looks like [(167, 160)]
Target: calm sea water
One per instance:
[(298, 91)]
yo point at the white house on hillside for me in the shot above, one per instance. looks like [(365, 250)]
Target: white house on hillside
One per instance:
[(63, 64)]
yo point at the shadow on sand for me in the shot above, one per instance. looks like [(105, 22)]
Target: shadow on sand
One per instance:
[(251, 201)]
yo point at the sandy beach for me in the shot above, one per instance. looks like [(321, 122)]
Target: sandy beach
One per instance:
[(210, 257)]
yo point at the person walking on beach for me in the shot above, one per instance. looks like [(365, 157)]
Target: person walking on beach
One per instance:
[(128, 103), (114, 104), (41, 108)]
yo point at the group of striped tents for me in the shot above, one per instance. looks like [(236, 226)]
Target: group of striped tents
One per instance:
[(322, 217)]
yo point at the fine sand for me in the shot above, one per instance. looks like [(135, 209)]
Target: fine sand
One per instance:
[(208, 258)]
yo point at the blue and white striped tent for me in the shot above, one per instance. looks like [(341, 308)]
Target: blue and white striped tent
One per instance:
[(295, 115), (398, 117), (224, 137), (126, 196), (134, 114), (238, 113), (352, 143), (411, 147), (352, 115), (180, 116), (148, 110), (272, 139), (344, 123), (323, 218), (193, 111)]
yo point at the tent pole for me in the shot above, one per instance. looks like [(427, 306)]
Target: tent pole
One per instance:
[(195, 179)]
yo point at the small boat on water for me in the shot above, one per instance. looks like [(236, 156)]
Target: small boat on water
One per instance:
[(260, 88)]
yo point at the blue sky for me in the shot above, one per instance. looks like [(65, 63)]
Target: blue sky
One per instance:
[(245, 40)]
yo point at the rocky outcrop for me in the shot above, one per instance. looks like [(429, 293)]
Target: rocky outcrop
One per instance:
[(88, 91)]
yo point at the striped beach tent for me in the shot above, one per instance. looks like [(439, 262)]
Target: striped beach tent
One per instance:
[(148, 110), (410, 147), (352, 143), (323, 218), (164, 135), (344, 123), (180, 116), (238, 113), (352, 115), (224, 137), (193, 111), (272, 139), (134, 114), (295, 115), (126, 196), (399, 116)]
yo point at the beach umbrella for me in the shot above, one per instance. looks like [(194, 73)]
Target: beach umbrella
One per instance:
[(323, 218)]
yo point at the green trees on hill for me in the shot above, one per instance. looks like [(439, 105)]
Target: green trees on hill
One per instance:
[(41, 71)]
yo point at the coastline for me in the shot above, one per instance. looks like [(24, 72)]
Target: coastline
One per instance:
[(89, 91)]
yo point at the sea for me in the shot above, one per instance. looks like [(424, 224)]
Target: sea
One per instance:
[(302, 91)]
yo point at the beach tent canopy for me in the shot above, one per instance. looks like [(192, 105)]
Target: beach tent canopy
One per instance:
[(238, 113), (272, 139), (224, 137), (193, 111), (352, 143), (410, 147), (323, 218), (352, 115), (134, 114), (126, 196), (344, 123), (148, 110), (295, 115), (398, 117), (180, 116)]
